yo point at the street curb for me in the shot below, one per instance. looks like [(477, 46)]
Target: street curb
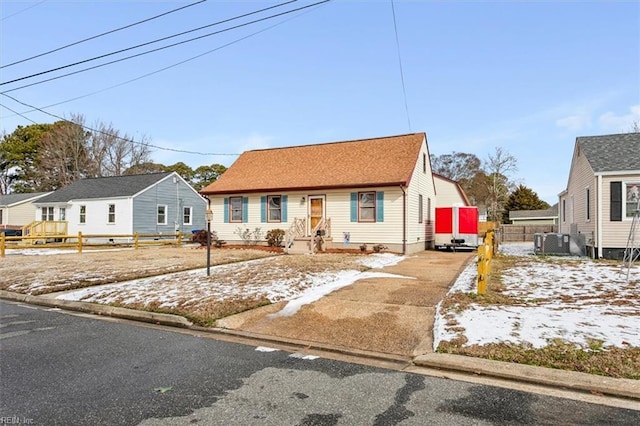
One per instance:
[(625, 388), (94, 308)]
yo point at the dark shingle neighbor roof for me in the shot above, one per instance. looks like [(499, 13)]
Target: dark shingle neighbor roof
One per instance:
[(11, 199), (534, 214), (104, 187), (382, 161), (609, 153)]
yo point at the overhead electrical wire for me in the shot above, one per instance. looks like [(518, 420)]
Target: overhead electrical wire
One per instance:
[(101, 34), (23, 10), (107, 133), (159, 40), (164, 68), (404, 90)]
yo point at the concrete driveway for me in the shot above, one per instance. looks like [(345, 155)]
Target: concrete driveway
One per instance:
[(388, 315)]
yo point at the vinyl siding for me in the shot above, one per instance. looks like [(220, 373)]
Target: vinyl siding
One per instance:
[(175, 196), (97, 217), (19, 215), (447, 193), (418, 234), (581, 177), (615, 234)]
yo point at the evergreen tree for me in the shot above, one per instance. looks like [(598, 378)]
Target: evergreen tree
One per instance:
[(523, 198)]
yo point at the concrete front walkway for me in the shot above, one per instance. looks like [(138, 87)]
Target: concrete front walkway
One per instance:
[(388, 315)]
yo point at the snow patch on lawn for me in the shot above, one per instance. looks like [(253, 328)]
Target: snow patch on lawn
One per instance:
[(571, 299)]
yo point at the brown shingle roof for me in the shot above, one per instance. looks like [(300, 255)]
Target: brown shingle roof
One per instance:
[(368, 162)]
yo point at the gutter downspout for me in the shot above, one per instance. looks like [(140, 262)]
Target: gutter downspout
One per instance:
[(599, 221), (404, 219)]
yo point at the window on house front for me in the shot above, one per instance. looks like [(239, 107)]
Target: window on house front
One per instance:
[(162, 215), (83, 214), (235, 209), (274, 210), (63, 213), (1, 211), (111, 216), (47, 213), (424, 163), (632, 198), (420, 208), (186, 215), (588, 203), (564, 210), (367, 206)]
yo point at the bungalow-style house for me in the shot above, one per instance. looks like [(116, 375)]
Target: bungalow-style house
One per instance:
[(155, 203), (535, 217), (602, 192), (449, 192), (343, 194), (16, 210)]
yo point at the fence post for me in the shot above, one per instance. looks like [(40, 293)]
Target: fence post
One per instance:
[(79, 242), (135, 240), (482, 282), (179, 239), (2, 242)]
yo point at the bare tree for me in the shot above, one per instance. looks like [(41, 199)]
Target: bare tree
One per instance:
[(115, 153), (499, 166)]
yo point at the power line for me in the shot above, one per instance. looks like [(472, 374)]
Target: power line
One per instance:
[(153, 42), (106, 133), (404, 91), (99, 35), (167, 67), (161, 48), (23, 10)]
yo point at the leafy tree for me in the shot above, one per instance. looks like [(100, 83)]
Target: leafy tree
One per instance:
[(20, 161), (523, 198), (183, 170), (204, 175)]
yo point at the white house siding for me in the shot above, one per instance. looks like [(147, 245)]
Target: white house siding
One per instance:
[(338, 209), (574, 200), (447, 193), (419, 236), (616, 234), (97, 217)]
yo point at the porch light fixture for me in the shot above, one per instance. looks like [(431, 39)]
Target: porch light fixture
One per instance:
[(209, 217)]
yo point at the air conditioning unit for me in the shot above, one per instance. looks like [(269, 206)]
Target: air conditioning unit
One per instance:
[(559, 244)]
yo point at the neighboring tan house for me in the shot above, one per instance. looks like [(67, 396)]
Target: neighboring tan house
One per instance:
[(341, 194), (449, 192), (602, 192), (535, 217), (17, 210), (155, 203)]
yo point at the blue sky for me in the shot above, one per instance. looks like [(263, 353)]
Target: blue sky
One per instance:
[(525, 76)]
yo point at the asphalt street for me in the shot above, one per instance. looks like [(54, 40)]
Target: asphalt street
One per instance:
[(59, 368)]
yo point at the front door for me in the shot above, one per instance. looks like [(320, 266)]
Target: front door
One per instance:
[(316, 210)]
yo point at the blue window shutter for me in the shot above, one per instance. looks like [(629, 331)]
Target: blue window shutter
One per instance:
[(379, 206), (263, 209), (284, 208), (354, 207), (245, 209), (226, 210)]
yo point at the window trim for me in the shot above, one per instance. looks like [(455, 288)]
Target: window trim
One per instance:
[(111, 214), (360, 207), (420, 209), (47, 214), (166, 210), (82, 214), (588, 204), (625, 191), (239, 210), (190, 215), (269, 219)]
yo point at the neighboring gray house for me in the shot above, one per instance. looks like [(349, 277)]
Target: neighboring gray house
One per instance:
[(535, 217), (602, 192), (155, 203), (17, 210)]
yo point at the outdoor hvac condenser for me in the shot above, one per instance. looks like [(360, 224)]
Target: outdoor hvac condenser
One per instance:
[(457, 227)]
